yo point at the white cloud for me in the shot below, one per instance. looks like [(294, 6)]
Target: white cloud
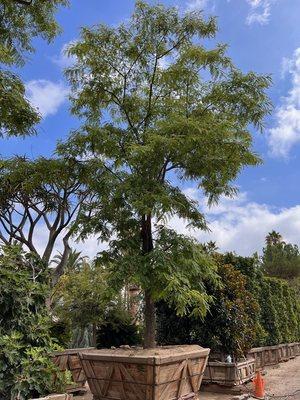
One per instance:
[(260, 11), (196, 5), (63, 60), (237, 224), (241, 225), (286, 133), (46, 96)]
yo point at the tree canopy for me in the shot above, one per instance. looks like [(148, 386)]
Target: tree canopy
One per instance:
[(17, 116), (159, 108), (42, 194), (19, 25)]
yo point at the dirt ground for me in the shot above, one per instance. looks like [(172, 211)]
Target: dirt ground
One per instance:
[(282, 381)]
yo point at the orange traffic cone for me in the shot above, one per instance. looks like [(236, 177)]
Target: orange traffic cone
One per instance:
[(259, 389)]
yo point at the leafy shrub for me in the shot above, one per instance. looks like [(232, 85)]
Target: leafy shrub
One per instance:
[(61, 333), (280, 314), (117, 329), (26, 369), (80, 299)]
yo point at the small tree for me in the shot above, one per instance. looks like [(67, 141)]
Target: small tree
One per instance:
[(228, 328), (80, 299), (19, 25), (159, 109)]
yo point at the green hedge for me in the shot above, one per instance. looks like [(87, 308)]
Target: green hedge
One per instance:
[(280, 312), (249, 310)]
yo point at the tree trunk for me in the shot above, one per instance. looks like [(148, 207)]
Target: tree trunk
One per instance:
[(150, 314), (59, 270), (150, 322), (94, 328)]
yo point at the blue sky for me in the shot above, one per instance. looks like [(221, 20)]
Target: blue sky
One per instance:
[(263, 36)]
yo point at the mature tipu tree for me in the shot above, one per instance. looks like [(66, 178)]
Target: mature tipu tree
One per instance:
[(158, 109), (44, 195), (19, 24)]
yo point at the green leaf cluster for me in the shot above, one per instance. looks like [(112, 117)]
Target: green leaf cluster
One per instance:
[(19, 25), (177, 270), (17, 116), (282, 260), (280, 311), (81, 296), (279, 317), (83, 301), (26, 369), (117, 328)]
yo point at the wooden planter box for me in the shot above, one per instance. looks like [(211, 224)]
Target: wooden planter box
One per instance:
[(69, 360), (258, 353), (291, 350), (271, 355), (163, 373), (284, 353), (229, 374), (297, 349)]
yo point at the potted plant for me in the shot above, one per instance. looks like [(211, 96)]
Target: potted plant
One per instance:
[(158, 109)]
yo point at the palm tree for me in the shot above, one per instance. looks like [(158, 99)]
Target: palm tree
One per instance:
[(273, 238), (75, 260), (211, 247)]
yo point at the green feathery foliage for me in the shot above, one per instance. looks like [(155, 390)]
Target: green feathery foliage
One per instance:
[(227, 328)]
